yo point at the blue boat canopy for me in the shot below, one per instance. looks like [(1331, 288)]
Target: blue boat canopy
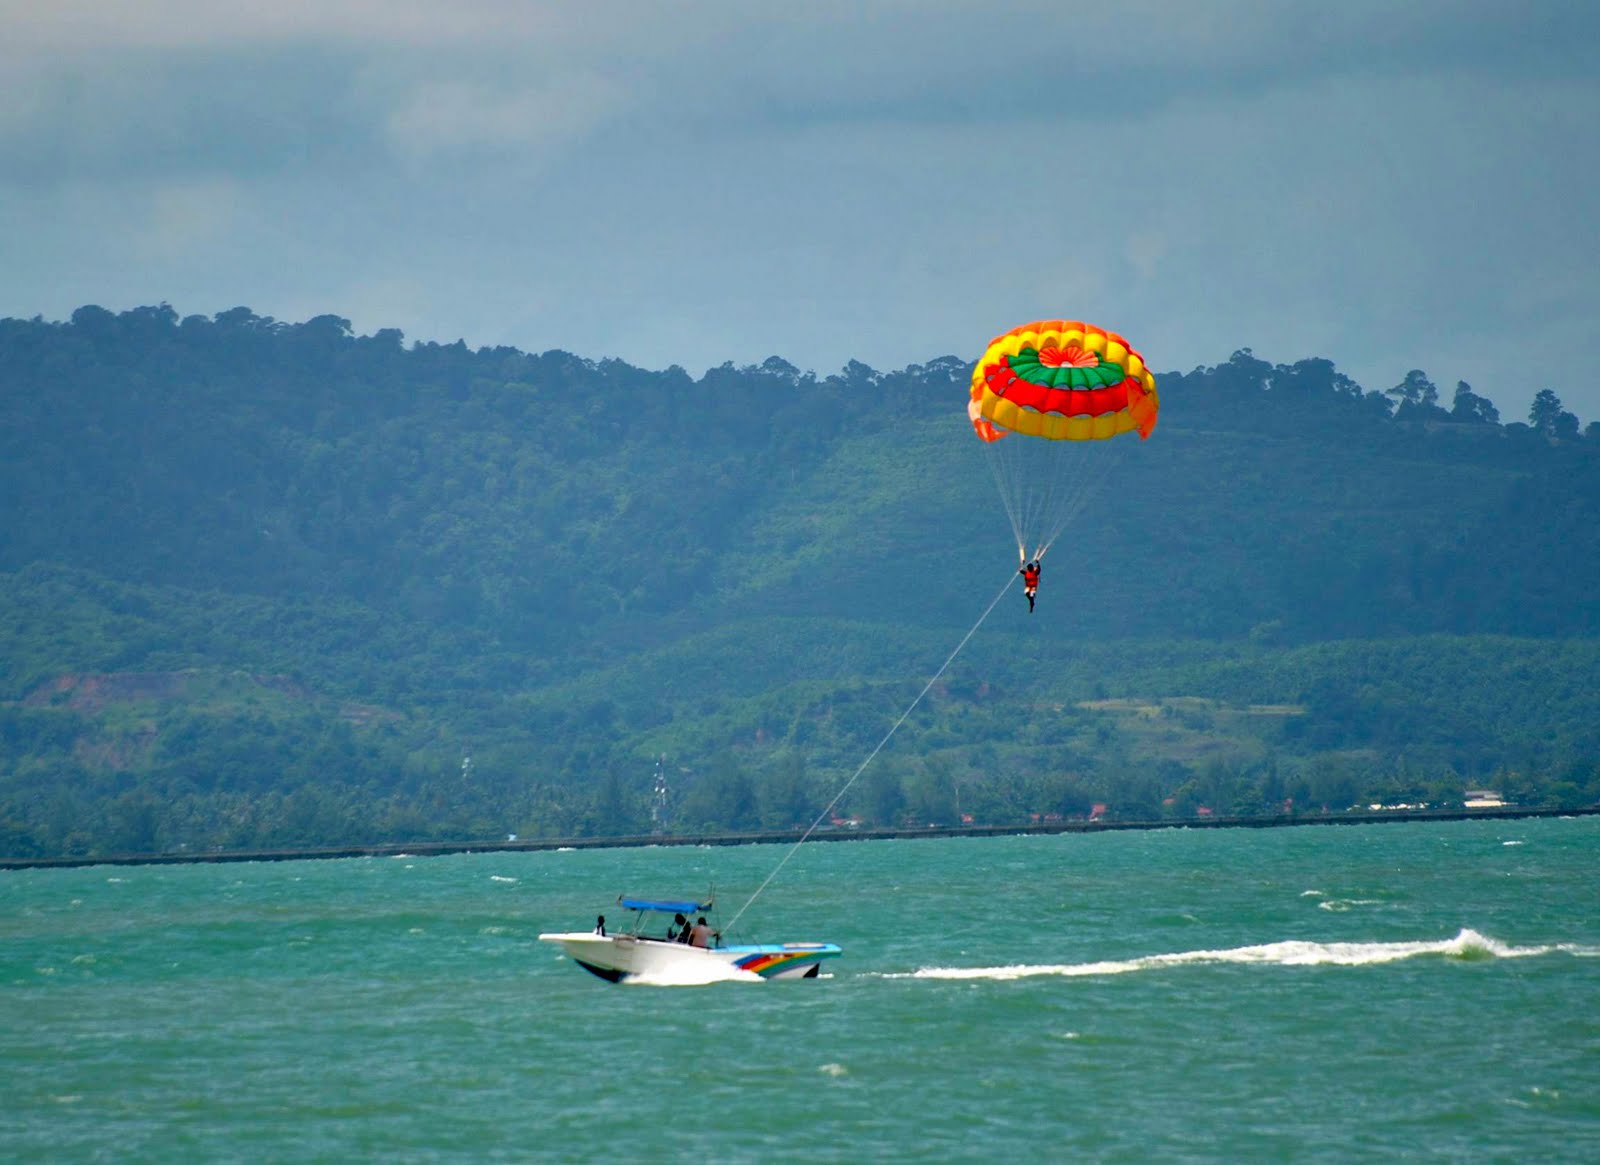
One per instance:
[(664, 907)]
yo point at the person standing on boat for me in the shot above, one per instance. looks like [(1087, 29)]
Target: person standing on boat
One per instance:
[(700, 935), (678, 932), (600, 926), (1030, 581)]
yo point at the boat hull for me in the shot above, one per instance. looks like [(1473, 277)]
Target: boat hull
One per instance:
[(616, 958)]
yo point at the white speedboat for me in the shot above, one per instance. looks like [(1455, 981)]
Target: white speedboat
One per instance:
[(632, 952)]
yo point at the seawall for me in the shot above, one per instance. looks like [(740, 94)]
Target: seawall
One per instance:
[(776, 837)]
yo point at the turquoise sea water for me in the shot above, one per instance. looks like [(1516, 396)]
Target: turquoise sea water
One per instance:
[(1425, 992)]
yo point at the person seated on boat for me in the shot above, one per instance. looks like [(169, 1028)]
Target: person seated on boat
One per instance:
[(600, 926), (678, 932), (700, 935)]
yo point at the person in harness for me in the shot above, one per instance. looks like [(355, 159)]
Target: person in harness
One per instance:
[(1030, 581)]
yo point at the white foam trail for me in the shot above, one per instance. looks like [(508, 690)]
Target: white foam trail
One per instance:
[(1467, 944), (697, 974)]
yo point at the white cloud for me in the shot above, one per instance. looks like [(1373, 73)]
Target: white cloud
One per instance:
[(188, 218), (455, 116), (67, 27)]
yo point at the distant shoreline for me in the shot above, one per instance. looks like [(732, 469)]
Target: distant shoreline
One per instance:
[(773, 837)]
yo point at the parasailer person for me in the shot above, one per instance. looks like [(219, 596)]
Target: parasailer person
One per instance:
[(1030, 581)]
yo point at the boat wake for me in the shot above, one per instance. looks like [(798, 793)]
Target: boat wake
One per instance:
[(1468, 945), (696, 974)]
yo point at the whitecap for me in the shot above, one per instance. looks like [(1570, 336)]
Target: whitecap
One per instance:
[(1511, 843), (834, 1070), (498, 878), (1313, 894), (1340, 905)]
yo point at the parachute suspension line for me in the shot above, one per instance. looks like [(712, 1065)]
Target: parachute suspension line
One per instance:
[(1084, 490), (1045, 485), (997, 467), (904, 716)]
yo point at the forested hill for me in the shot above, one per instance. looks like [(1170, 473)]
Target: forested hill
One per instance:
[(415, 551)]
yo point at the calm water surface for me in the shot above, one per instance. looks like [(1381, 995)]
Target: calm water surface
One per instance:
[(1416, 992)]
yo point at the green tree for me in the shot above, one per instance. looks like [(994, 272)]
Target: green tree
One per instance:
[(931, 797), (1417, 398), (785, 796), (883, 795), (1548, 417), (1470, 407), (613, 814), (724, 798)]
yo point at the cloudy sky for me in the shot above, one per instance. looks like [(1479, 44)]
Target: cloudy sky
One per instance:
[(1391, 185)]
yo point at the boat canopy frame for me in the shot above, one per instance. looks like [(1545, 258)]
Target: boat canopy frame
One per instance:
[(664, 906)]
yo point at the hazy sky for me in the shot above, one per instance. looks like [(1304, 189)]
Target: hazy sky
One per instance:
[(1391, 185)]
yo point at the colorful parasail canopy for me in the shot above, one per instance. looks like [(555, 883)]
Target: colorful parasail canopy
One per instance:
[(1063, 380)]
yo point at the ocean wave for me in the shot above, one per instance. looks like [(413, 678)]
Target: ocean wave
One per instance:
[(1467, 945), (1340, 905)]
